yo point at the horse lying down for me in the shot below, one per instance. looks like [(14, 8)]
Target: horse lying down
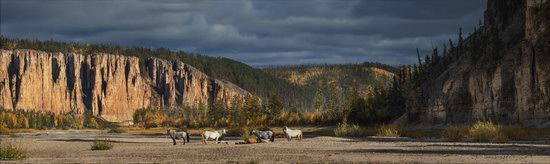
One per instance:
[(215, 135), (292, 133), (263, 135), (178, 135)]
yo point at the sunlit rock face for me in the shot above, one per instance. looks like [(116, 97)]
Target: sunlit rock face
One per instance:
[(112, 86), (505, 81)]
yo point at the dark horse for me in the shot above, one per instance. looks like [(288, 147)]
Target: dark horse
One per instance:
[(178, 135), (263, 135)]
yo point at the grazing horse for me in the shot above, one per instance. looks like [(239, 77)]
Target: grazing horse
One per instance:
[(292, 133), (264, 135), (215, 135), (178, 135)]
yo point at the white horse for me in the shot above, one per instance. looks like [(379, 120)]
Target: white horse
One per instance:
[(215, 135), (292, 133), (178, 135)]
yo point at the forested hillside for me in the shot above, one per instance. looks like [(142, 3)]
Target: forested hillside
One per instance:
[(343, 74), (354, 91)]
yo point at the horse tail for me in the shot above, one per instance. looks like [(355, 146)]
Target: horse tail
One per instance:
[(187, 136), (272, 139)]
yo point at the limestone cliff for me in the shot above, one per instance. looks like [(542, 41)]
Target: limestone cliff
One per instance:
[(112, 86), (501, 72)]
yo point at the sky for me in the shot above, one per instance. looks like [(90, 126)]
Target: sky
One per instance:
[(255, 32)]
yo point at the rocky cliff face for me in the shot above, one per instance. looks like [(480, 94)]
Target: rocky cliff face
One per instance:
[(111, 86), (502, 72)]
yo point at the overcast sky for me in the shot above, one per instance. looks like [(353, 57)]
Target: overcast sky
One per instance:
[(256, 32)]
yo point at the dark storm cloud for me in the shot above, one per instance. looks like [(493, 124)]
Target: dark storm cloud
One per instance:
[(257, 32)]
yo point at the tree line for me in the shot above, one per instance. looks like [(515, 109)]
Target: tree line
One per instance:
[(23, 119)]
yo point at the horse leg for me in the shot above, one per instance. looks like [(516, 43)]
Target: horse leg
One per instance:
[(173, 137), (217, 142), (259, 139), (183, 138), (187, 136)]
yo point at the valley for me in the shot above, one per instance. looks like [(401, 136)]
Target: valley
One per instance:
[(73, 147), (347, 82)]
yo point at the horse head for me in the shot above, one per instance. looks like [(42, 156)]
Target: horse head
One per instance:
[(222, 132), (285, 129)]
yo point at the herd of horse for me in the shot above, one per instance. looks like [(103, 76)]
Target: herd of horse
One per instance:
[(218, 135)]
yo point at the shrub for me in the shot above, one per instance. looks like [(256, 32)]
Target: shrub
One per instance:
[(237, 131), (118, 130), (287, 118), (388, 131), (8, 151), (149, 118), (4, 130), (348, 130), (500, 138), (92, 123), (516, 132), (281, 118), (311, 117), (455, 133), (487, 132), (101, 145)]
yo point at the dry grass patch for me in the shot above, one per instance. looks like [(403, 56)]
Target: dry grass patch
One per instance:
[(4, 131), (516, 132), (349, 130), (388, 130), (102, 145), (539, 133), (23, 131), (487, 132), (118, 130), (9, 151), (455, 133)]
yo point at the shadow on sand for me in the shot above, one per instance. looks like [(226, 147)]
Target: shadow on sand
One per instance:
[(498, 151)]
